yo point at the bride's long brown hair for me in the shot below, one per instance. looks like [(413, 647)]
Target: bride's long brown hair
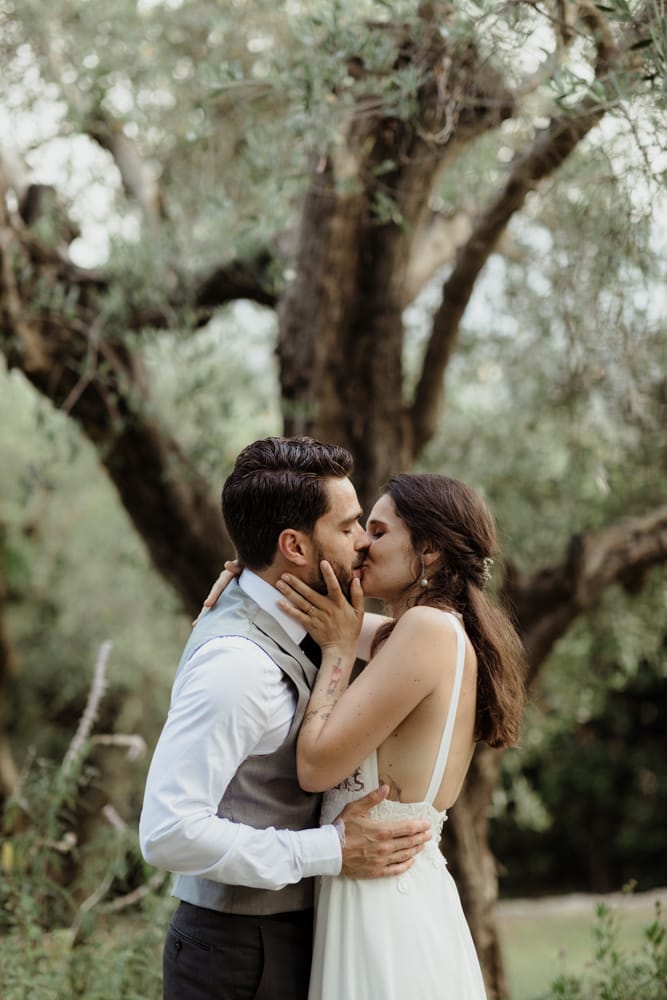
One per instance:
[(444, 515)]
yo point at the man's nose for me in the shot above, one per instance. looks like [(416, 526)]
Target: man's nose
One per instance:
[(363, 539)]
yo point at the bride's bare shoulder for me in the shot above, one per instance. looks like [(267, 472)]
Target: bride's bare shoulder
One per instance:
[(424, 615), (427, 623)]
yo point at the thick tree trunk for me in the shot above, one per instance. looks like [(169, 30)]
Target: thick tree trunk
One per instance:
[(51, 328), (340, 383), (465, 844), (341, 319)]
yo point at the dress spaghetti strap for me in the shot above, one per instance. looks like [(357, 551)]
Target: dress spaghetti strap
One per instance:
[(448, 730)]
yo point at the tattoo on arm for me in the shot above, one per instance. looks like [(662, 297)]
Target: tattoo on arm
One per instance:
[(323, 712), (334, 679)]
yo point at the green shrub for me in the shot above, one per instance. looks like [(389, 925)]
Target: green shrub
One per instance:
[(61, 940), (82, 916), (615, 975)]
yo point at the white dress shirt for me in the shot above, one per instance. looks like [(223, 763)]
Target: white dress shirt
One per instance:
[(229, 702)]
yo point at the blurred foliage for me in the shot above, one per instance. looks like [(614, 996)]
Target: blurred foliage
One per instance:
[(62, 896), (618, 974), (584, 805), (557, 396), (76, 574), (216, 389), (75, 570)]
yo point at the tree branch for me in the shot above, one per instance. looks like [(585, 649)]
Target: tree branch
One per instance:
[(51, 329), (138, 180), (548, 600), (253, 279), (433, 245), (552, 146)]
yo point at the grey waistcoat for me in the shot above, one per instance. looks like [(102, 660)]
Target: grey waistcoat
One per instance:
[(264, 791)]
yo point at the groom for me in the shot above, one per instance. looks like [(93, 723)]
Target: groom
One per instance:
[(223, 808)]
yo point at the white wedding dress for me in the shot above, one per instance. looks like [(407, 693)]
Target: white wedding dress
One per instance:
[(403, 937)]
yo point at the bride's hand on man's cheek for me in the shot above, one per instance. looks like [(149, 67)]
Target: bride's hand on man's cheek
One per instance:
[(329, 618)]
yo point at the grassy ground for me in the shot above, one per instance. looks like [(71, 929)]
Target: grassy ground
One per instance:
[(120, 957), (543, 938)]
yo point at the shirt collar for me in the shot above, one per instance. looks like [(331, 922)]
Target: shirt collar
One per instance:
[(267, 597)]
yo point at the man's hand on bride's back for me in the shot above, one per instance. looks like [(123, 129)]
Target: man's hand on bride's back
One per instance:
[(374, 848)]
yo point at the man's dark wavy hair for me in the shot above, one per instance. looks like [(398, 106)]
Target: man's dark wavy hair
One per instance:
[(278, 483)]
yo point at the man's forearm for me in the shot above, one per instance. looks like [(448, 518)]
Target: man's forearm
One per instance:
[(237, 854)]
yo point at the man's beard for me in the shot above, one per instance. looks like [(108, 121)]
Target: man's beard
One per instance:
[(344, 575)]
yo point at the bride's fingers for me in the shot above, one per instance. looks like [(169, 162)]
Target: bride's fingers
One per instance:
[(300, 592), (217, 588), (331, 580), (214, 593), (296, 600), (199, 617), (232, 568), (311, 596), (334, 592), (295, 613), (357, 596)]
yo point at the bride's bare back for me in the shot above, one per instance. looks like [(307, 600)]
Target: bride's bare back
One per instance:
[(406, 758)]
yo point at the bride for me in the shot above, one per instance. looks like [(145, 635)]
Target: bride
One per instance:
[(444, 672)]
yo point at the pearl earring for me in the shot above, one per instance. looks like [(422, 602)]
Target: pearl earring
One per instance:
[(424, 580)]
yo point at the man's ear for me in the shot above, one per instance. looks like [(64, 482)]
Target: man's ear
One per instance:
[(293, 546)]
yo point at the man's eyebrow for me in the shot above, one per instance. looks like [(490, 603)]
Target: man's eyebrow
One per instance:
[(353, 517)]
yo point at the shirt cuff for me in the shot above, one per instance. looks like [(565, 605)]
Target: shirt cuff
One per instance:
[(321, 851)]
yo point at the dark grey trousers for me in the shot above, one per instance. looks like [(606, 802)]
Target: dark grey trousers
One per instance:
[(223, 956)]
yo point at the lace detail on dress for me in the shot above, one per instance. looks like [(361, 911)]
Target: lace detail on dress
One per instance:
[(364, 780), (431, 854)]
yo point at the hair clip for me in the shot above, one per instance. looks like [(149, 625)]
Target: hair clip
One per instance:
[(487, 564)]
